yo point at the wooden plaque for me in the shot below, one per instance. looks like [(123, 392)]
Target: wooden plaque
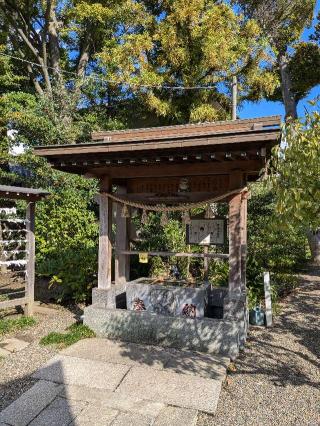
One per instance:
[(205, 232)]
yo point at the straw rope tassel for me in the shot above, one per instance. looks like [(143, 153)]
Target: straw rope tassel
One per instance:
[(181, 208)]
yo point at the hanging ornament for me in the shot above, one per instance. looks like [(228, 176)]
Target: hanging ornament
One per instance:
[(186, 217), (164, 219), (144, 217), (125, 211)]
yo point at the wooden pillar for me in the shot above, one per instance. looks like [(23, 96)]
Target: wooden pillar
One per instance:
[(235, 245), (105, 228), (30, 247), (122, 265), (244, 204)]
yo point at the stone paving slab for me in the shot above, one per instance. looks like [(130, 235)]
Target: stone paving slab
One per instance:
[(171, 388), (22, 411), (13, 345), (60, 412), (176, 416), (4, 353), (118, 352), (129, 419), (198, 364), (79, 371), (102, 397), (91, 416)]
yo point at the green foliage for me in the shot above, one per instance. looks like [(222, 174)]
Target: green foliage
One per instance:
[(12, 325), (304, 68), (219, 273), (293, 63), (283, 21), (67, 237), (170, 237), (270, 247), (74, 333), (186, 44), (157, 267), (296, 174)]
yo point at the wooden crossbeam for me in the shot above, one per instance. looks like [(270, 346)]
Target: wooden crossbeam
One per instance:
[(22, 301)]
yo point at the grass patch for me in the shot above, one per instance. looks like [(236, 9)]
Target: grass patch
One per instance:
[(73, 334), (11, 325)]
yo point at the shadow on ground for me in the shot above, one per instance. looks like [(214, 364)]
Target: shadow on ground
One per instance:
[(284, 364)]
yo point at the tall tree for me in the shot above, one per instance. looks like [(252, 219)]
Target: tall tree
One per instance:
[(187, 44), (282, 23)]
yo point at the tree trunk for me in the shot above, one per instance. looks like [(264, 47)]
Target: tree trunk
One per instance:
[(289, 101), (314, 243), (84, 54), (53, 40)]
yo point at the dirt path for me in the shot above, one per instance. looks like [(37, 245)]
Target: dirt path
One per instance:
[(277, 381)]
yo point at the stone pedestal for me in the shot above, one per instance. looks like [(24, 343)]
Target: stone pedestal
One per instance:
[(236, 308), (167, 299), (214, 336), (108, 297)]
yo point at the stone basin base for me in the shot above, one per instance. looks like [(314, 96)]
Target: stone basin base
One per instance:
[(108, 317), (173, 298), (204, 335)]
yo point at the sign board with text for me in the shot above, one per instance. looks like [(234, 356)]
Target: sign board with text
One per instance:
[(207, 232)]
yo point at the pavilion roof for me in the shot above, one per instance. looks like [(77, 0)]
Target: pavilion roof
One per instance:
[(117, 152)]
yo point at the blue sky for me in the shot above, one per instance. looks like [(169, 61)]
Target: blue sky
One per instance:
[(258, 109)]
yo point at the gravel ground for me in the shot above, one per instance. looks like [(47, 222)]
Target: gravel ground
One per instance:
[(277, 381), (15, 369)]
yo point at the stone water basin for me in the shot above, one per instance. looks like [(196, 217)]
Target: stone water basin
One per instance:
[(168, 297)]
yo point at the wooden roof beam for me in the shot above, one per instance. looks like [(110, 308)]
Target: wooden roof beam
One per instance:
[(178, 169)]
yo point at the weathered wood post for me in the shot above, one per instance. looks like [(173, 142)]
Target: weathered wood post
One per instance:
[(235, 245), (122, 265), (105, 228), (244, 215), (30, 247), (235, 304)]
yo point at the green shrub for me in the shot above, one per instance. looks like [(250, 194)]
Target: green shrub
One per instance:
[(67, 237), (75, 269)]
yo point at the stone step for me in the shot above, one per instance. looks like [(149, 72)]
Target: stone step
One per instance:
[(171, 388), (82, 372), (112, 400), (131, 354), (48, 404), (142, 382)]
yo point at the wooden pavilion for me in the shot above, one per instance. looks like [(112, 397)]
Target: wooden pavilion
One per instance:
[(150, 166)]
